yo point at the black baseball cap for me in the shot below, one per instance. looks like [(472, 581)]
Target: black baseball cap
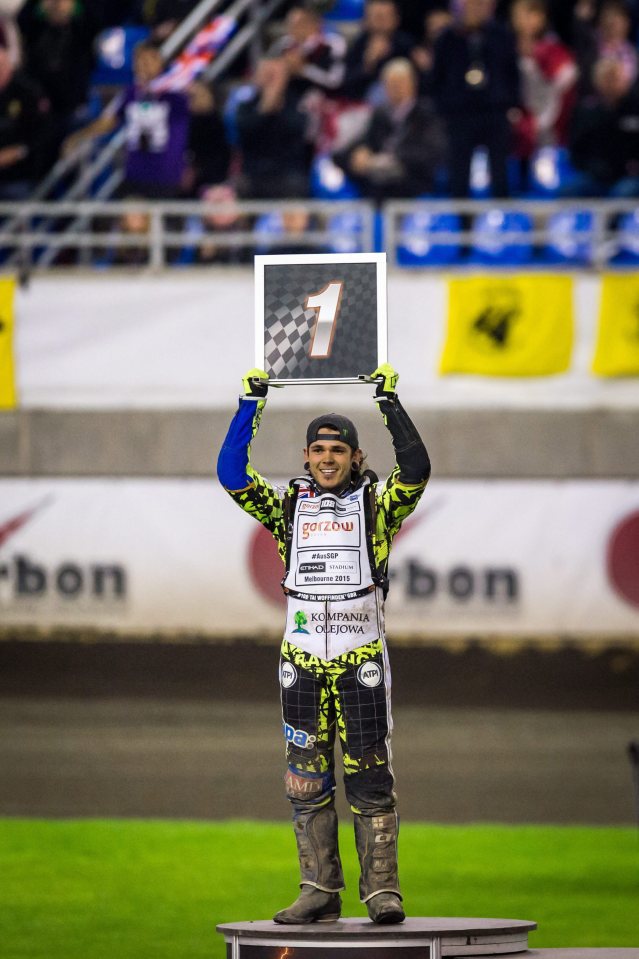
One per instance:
[(342, 425)]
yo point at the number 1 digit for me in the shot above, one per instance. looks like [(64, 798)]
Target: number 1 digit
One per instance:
[(327, 303)]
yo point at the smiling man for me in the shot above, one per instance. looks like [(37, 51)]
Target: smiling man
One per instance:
[(334, 527)]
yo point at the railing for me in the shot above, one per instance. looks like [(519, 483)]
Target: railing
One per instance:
[(431, 235), (93, 234)]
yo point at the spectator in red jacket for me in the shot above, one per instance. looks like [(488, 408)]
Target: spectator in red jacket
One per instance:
[(549, 78)]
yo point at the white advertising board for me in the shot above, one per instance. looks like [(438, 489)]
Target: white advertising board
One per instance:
[(111, 342), (178, 556)]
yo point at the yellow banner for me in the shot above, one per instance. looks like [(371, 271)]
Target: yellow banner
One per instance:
[(617, 349), (509, 325), (8, 397)]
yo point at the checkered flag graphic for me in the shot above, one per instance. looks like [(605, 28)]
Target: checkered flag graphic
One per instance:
[(289, 327)]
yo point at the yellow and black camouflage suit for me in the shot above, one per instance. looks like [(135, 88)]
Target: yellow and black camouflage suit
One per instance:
[(347, 693)]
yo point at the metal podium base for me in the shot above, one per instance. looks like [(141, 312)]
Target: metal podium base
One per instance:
[(431, 938)]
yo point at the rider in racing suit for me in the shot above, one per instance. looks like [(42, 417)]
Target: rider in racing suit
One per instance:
[(334, 528)]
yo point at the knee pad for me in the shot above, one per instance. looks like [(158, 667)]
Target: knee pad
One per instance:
[(307, 786)]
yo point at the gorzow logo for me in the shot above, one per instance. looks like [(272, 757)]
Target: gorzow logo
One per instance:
[(369, 674), (298, 737), (288, 675)]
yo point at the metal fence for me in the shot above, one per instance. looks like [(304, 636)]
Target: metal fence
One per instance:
[(428, 235)]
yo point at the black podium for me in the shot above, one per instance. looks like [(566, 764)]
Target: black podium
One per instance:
[(418, 938)]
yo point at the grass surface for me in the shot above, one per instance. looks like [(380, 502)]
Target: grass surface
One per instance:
[(122, 889)]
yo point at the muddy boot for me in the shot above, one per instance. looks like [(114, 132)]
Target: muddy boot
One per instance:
[(376, 842), (320, 869)]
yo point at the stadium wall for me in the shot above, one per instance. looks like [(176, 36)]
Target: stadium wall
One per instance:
[(137, 376), (112, 523)]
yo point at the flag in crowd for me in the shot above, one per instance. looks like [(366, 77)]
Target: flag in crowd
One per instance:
[(202, 49)]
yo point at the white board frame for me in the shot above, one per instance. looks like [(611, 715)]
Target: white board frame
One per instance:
[(265, 259)]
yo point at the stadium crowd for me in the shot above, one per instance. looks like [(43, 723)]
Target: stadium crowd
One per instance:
[(400, 100)]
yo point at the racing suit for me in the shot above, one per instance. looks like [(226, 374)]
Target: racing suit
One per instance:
[(334, 671)]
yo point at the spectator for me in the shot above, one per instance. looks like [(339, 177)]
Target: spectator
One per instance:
[(156, 125), (403, 145), (24, 116), (435, 22), (9, 33), (165, 15), (604, 137), (208, 153), (272, 137), (413, 14), (380, 41), (214, 225), (58, 40), (615, 24), (314, 57), (603, 32), (549, 78), (475, 83)]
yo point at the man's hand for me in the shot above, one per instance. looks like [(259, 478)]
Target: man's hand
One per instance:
[(386, 378), (255, 383)]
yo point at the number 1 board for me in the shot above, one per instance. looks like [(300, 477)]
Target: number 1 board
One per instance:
[(320, 317)]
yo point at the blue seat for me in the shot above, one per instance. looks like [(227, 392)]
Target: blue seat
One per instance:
[(236, 96), (570, 238), (490, 244), (627, 240), (346, 232), (417, 244), (550, 168), (329, 182), (268, 228), (114, 55), (346, 10)]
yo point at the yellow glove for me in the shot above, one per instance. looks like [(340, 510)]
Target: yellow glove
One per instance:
[(255, 383), (386, 378)]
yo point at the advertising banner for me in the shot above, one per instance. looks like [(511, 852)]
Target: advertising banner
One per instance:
[(171, 557)]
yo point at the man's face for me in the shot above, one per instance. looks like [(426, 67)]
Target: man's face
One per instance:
[(300, 25), (331, 461), (476, 12), (381, 17), (6, 67), (147, 65), (399, 88), (527, 21)]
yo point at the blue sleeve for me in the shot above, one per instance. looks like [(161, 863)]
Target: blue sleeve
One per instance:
[(233, 461)]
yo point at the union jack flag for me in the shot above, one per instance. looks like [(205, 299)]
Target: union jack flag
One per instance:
[(202, 49)]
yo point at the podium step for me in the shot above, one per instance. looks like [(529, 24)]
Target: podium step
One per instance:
[(416, 938)]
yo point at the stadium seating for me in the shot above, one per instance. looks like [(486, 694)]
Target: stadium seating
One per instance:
[(114, 50), (346, 233), (417, 245), (237, 95), (627, 240), (570, 238), (491, 244), (549, 169), (346, 10), (329, 182)]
